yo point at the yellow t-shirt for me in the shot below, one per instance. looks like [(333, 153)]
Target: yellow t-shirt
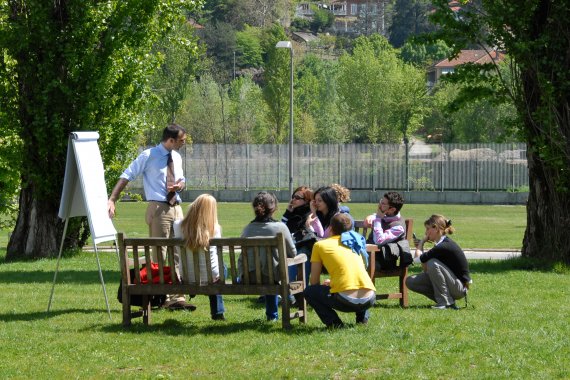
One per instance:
[(346, 268)]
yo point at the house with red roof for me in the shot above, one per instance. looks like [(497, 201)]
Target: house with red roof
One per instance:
[(447, 66)]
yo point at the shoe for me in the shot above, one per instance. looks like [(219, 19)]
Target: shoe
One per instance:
[(181, 305), (443, 307), (362, 322), (218, 317), (338, 325), (272, 319)]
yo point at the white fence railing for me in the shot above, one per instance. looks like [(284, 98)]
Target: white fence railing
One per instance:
[(439, 167)]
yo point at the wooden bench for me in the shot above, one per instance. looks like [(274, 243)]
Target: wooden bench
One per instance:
[(400, 272), (140, 248)]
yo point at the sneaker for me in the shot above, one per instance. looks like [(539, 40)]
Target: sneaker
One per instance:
[(272, 319), (218, 317), (362, 322), (181, 305), (338, 325), (443, 307)]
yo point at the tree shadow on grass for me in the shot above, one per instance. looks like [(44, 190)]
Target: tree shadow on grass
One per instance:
[(39, 315), (175, 327), (63, 276)]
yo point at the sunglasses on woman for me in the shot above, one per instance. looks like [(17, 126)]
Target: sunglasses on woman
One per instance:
[(297, 197)]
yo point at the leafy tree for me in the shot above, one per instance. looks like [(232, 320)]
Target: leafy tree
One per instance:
[(257, 13), (248, 112), (300, 24), (263, 13), (249, 47), (319, 113), (532, 33), (202, 113), (234, 113), (408, 100), (277, 85), (70, 66), (322, 19), (424, 55), (410, 18), (220, 39), (10, 161), (474, 121), (179, 56), (384, 96)]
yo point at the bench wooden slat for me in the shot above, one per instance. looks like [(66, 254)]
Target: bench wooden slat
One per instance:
[(269, 260), (233, 263), (257, 261)]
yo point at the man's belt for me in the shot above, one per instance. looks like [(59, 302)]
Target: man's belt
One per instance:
[(166, 203)]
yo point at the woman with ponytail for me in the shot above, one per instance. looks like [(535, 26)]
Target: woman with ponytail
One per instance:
[(264, 206), (445, 277)]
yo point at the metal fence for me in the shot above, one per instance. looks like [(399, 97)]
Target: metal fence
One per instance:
[(430, 167)]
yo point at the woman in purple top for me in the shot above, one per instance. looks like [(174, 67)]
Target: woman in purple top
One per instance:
[(323, 207)]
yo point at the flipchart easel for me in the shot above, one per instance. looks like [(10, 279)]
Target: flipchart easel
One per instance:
[(85, 194)]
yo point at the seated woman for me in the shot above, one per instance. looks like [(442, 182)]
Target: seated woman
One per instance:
[(295, 217), (264, 206), (323, 207), (350, 288), (197, 228), (445, 276), (343, 196)]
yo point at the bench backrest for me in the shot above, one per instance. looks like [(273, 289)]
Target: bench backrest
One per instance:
[(260, 250)]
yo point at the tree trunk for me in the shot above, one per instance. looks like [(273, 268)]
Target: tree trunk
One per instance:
[(547, 233), (548, 214), (38, 229), (547, 124)]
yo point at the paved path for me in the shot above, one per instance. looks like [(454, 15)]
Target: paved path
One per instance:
[(490, 254)]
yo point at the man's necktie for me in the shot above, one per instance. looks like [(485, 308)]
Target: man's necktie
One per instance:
[(170, 181)]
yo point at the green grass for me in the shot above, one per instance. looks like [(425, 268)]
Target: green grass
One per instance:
[(516, 326), (487, 227)]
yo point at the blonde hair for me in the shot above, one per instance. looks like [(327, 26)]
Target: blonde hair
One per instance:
[(342, 193), (441, 223), (199, 224)]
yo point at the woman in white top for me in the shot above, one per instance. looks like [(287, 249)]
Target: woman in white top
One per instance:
[(197, 228)]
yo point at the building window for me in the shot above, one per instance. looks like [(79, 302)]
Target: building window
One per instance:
[(353, 9)]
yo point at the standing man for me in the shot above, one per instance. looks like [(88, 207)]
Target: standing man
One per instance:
[(163, 178)]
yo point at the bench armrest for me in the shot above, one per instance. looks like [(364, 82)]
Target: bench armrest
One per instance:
[(300, 258)]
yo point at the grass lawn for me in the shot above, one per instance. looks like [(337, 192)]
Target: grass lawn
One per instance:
[(516, 326)]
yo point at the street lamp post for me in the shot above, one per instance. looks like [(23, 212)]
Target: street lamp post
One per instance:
[(288, 45)]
